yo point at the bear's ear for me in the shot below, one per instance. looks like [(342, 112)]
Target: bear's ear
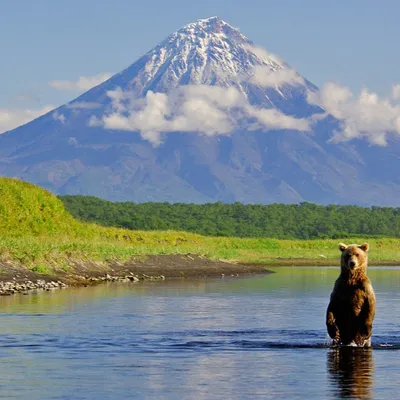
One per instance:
[(364, 247), (342, 247)]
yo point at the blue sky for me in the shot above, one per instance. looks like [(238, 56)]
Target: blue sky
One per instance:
[(353, 43)]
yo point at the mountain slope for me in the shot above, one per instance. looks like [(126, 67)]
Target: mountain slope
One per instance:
[(206, 115)]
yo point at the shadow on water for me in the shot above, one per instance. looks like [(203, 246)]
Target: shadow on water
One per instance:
[(351, 372)]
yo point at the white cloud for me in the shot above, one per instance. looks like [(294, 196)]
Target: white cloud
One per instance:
[(266, 77), (59, 117), (11, 118), (271, 119), (28, 97), (82, 84), (72, 141), (225, 97), (263, 54), (366, 116), (209, 110), (396, 92), (83, 105), (270, 71)]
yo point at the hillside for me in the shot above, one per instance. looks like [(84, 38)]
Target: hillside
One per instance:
[(26, 209)]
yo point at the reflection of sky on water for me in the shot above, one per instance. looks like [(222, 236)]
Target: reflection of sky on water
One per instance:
[(197, 339)]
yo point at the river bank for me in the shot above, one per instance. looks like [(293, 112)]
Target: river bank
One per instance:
[(19, 279)]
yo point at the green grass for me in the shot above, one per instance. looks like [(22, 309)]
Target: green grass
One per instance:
[(62, 251), (42, 269), (26, 209), (37, 232)]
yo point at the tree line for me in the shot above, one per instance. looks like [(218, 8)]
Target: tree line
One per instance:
[(282, 221)]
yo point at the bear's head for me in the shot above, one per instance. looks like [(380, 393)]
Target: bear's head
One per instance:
[(354, 257)]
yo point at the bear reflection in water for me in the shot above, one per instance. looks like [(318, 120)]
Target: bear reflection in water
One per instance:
[(351, 371)]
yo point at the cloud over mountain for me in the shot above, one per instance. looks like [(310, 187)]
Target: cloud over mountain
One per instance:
[(366, 116), (82, 84), (11, 118), (208, 110)]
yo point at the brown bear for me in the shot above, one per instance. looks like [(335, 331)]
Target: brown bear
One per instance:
[(351, 309)]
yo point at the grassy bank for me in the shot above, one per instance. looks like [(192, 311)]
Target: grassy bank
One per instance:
[(37, 232), (43, 252)]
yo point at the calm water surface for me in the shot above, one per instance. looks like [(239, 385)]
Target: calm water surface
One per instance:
[(232, 338)]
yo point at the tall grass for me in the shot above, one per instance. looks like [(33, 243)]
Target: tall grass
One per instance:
[(63, 250)]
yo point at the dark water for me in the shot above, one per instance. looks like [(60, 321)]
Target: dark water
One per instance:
[(243, 338)]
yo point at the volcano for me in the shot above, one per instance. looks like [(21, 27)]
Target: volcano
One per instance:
[(204, 116)]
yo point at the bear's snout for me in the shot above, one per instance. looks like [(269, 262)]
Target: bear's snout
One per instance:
[(352, 264)]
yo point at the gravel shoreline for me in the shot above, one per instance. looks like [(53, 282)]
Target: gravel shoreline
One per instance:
[(19, 279)]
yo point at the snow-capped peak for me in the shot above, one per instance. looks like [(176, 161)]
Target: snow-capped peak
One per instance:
[(210, 52), (212, 25)]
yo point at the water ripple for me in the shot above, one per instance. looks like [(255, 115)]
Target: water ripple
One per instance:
[(235, 340)]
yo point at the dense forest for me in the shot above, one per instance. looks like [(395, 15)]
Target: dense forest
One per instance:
[(282, 221)]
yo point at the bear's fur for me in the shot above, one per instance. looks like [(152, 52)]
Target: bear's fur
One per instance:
[(351, 309)]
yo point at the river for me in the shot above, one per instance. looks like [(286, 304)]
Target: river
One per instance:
[(229, 338)]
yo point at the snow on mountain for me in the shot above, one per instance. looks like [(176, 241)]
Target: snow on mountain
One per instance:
[(179, 79), (209, 52)]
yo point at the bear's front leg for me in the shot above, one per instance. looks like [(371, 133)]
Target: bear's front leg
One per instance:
[(333, 330), (366, 330), (366, 317)]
